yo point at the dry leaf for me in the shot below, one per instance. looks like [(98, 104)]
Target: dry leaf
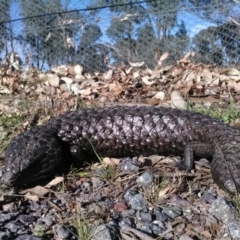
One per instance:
[(4, 90), (85, 92), (137, 64), (78, 69), (160, 95), (164, 192), (215, 82), (155, 159), (54, 182), (48, 78), (177, 71), (128, 70), (232, 73), (189, 78), (38, 190), (234, 85), (185, 58), (61, 70), (147, 71), (136, 74), (31, 197), (115, 88), (111, 161), (207, 76), (107, 75), (164, 56), (79, 78), (64, 87), (156, 74), (67, 80), (75, 88), (145, 80)]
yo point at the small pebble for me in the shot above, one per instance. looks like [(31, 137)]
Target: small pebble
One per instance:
[(146, 216), (61, 231), (232, 229), (129, 194), (138, 202), (126, 222), (145, 179), (156, 229), (128, 213), (223, 210), (172, 212), (128, 165), (104, 232)]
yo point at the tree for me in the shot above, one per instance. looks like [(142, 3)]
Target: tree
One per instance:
[(48, 35), (207, 47), (229, 36), (5, 26), (90, 54), (139, 30)]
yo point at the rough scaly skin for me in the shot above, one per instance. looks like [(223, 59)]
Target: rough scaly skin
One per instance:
[(125, 131)]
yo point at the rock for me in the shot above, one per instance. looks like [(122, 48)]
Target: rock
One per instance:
[(61, 231), (104, 232), (231, 229), (128, 165), (177, 101), (156, 229), (146, 216), (27, 237), (4, 236), (223, 210), (129, 194), (172, 212), (4, 218), (145, 179), (128, 213), (138, 202), (126, 222)]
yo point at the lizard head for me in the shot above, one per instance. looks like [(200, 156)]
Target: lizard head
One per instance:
[(32, 156)]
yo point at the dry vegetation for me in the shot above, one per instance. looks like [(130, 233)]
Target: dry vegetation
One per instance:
[(29, 98)]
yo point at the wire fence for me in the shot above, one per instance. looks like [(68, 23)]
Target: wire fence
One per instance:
[(98, 33)]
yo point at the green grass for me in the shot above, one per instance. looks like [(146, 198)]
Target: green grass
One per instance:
[(38, 231), (82, 227), (108, 172), (8, 124), (236, 202), (80, 104), (78, 173), (190, 190), (227, 115)]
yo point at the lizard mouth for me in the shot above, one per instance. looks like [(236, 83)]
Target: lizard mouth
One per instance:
[(9, 178)]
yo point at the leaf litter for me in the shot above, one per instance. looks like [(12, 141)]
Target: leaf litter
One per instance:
[(182, 85)]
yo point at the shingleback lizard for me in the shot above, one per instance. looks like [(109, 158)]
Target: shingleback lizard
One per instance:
[(125, 131)]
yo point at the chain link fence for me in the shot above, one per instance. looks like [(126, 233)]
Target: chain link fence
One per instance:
[(98, 33)]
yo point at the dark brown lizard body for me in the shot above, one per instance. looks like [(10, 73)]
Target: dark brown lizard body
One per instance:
[(125, 131)]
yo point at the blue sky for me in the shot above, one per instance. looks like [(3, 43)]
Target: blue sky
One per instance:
[(193, 23)]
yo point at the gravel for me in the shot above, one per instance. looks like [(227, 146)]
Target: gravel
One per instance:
[(134, 203)]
